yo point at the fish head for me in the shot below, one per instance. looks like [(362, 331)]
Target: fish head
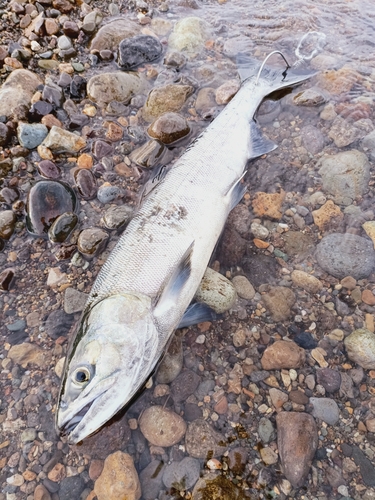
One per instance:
[(111, 356)]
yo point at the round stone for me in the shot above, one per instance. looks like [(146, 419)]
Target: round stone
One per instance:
[(182, 475), (48, 169), (62, 227), (117, 216), (138, 50), (360, 347), (7, 224), (216, 291), (92, 241), (162, 427), (48, 200), (106, 194), (86, 183), (168, 128)]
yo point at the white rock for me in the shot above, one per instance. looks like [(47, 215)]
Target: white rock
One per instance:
[(216, 291), (360, 347)]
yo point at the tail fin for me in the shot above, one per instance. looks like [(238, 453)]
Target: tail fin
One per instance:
[(274, 79)]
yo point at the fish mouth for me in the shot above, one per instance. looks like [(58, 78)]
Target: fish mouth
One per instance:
[(71, 424)]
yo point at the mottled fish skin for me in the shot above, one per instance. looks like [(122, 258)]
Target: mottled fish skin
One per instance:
[(185, 212)]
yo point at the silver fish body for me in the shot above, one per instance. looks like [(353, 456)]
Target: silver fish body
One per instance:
[(151, 276)]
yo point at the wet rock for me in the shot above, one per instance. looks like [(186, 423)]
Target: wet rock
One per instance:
[(53, 94), (309, 97), (305, 340), (25, 354), (268, 205), (344, 133), (92, 241), (38, 110), (6, 278), (226, 91), (4, 134), (151, 479), (133, 52), (189, 36), (150, 154), (108, 193), (283, 354), (71, 487), (213, 486), (306, 281), (164, 99), (182, 475), (86, 183), (62, 227), (59, 140), (327, 216), (325, 409), (329, 379), (48, 169), (74, 300), (368, 297), (202, 441), (110, 35), (168, 128), (278, 301), (216, 291), (243, 287), (298, 244), (116, 217), (31, 135), (237, 459), (369, 228), (58, 324), (119, 479), (41, 493), (7, 224), (102, 149), (48, 200), (108, 440), (366, 467), (360, 348), (117, 86), (184, 385), (162, 427), (172, 362), (17, 90), (260, 269), (205, 103), (312, 139), (345, 175), (297, 440), (346, 255), (266, 430), (175, 59)]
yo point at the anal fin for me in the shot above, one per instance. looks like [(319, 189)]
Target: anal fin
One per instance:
[(259, 143), (197, 313)]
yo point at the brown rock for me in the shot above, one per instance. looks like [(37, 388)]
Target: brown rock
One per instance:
[(203, 441), (162, 427), (58, 473), (168, 128), (119, 479), (306, 281), (340, 81), (278, 301), (298, 397), (114, 132), (51, 26), (24, 354), (41, 493), (323, 217), (232, 247), (17, 90), (283, 354), (368, 297), (349, 282), (221, 406), (268, 204), (161, 100), (63, 6), (85, 161), (297, 440), (50, 121), (96, 468), (278, 398)]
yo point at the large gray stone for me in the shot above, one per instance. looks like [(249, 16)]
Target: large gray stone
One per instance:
[(110, 35), (345, 175), (118, 86), (30, 135)]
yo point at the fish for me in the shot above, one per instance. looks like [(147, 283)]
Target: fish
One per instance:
[(145, 289)]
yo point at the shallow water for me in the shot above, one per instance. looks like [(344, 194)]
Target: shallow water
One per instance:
[(321, 35)]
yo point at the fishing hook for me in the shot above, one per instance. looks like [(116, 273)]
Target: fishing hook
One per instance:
[(265, 60)]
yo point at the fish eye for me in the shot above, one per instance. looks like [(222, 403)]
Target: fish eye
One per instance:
[(81, 375)]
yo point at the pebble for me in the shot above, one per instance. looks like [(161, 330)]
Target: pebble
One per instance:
[(297, 441), (162, 427), (227, 91), (6, 279), (164, 99), (85, 183), (201, 440), (260, 232), (268, 204), (48, 169), (17, 90), (342, 255), (214, 486), (72, 487), (189, 35), (168, 128), (151, 478), (266, 430), (369, 228), (92, 241), (306, 281), (175, 59), (31, 135), (106, 194), (184, 385), (243, 287), (312, 139), (62, 227), (368, 297), (325, 409), (182, 475), (283, 354), (330, 379), (74, 300), (345, 175), (133, 52), (41, 493), (7, 224), (343, 132), (116, 217), (59, 140), (278, 301), (119, 479), (110, 35), (116, 86), (309, 97), (216, 291), (25, 354), (360, 348), (48, 200), (172, 363), (150, 154), (327, 215)]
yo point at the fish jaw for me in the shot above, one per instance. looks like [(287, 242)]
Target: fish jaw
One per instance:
[(117, 346)]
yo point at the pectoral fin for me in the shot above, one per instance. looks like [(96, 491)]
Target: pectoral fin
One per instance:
[(197, 313), (172, 289)]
